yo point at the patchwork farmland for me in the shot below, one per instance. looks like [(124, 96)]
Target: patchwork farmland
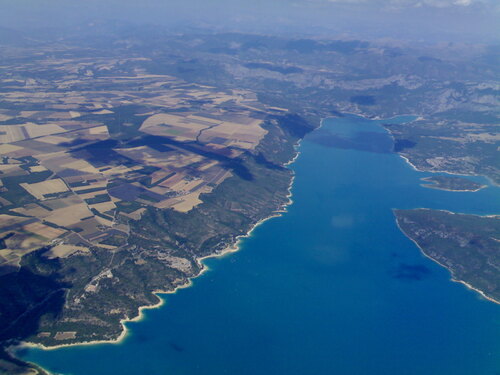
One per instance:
[(89, 149)]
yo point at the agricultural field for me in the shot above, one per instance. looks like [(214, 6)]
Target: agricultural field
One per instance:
[(124, 160), (87, 146)]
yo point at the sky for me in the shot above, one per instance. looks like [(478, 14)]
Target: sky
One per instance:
[(425, 20)]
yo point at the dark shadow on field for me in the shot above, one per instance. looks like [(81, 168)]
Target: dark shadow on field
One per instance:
[(159, 143), (101, 154)]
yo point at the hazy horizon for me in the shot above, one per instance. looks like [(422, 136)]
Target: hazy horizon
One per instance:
[(420, 20)]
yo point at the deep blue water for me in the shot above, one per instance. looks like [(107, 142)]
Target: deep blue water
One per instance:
[(331, 287)]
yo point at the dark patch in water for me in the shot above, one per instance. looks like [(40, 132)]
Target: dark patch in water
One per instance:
[(362, 141), (141, 337), (176, 347), (409, 272)]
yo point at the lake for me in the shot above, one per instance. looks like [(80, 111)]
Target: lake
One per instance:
[(330, 287)]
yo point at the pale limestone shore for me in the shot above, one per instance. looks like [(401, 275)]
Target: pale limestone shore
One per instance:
[(451, 273), (436, 187), (161, 301), (493, 183), (415, 168), (228, 250)]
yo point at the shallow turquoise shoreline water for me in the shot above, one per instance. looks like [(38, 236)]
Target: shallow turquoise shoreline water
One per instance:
[(331, 287)]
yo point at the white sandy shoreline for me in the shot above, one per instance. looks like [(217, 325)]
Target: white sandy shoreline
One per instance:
[(493, 183), (415, 168), (442, 265), (433, 185), (228, 250), (125, 330)]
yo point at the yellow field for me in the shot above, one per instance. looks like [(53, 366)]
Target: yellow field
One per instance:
[(11, 133), (98, 184), (186, 185), (8, 220), (207, 119), (99, 130), (246, 136), (226, 123), (136, 215), (10, 168), (53, 139), (38, 168), (104, 206), (40, 189), (103, 112), (32, 209), (35, 130), (69, 215), (177, 127), (65, 250), (188, 202), (6, 148), (44, 230), (208, 165), (80, 165)]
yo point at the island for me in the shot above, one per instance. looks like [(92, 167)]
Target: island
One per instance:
[(467, 245), (452, 183)]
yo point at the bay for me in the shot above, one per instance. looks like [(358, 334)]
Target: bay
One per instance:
[(330, 287)]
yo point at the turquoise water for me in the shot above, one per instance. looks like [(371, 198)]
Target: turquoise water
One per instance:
[(331, 287)]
